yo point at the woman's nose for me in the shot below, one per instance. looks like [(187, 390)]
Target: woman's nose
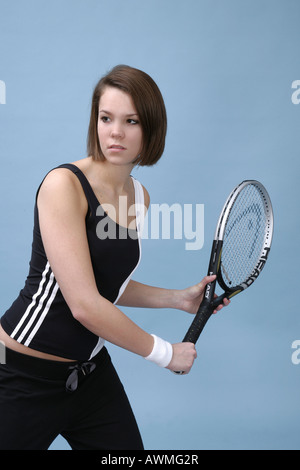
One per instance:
[(117, 131)]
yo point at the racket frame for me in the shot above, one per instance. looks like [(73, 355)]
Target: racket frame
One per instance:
[(209, 303)]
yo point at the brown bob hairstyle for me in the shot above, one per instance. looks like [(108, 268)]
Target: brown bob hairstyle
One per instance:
[(149, 105)]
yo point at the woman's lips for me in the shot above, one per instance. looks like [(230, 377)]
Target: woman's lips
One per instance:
[(116, 147)]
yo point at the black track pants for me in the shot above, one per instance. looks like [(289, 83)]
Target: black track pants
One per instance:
[(35, 405)]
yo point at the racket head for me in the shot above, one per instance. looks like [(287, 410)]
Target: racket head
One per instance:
[(245, 227)]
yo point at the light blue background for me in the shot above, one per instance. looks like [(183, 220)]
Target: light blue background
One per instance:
[(225, 68)]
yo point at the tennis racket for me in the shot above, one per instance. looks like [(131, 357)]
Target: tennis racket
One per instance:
[(240, 249)]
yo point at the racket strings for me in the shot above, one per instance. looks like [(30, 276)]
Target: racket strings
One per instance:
[(244, 237)]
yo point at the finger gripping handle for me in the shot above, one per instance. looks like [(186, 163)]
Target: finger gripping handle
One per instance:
[(197, 325)]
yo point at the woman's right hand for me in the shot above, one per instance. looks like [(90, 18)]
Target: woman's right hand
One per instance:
[(183, 358)]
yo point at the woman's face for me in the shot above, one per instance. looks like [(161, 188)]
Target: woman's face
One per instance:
[(119, 131)]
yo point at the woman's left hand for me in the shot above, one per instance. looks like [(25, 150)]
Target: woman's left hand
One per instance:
[(190, 298)]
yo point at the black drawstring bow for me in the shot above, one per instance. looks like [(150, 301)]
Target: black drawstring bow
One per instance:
[(85, 368)]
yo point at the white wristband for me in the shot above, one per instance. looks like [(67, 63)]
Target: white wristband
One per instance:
[(162, 352)]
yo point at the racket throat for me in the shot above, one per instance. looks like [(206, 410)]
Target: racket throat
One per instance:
[(213, 269), (215, 257)]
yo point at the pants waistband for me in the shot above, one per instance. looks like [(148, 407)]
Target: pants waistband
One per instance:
[(36, 366)]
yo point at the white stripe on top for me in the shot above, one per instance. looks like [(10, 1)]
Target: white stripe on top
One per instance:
[(38, 308), (44, 314), (139, 214), (33, 303)]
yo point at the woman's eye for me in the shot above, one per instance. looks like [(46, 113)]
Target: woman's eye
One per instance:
[(104, 118), (132, 121)]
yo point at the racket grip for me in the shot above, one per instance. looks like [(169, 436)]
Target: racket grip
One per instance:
[(196, 327), (198, 324)]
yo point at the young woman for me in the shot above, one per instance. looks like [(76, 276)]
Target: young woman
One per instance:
[(58, 377)]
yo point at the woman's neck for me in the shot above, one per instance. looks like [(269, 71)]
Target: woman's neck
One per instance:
[(114, 177)]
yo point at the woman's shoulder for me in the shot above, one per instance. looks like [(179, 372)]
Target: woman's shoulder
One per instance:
[(58, 179), (61, 184), (62, 177)]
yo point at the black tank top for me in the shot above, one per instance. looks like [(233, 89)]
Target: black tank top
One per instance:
[(40, 318)]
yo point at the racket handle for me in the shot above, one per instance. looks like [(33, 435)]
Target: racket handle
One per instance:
[(196, 328), (198, 324)]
